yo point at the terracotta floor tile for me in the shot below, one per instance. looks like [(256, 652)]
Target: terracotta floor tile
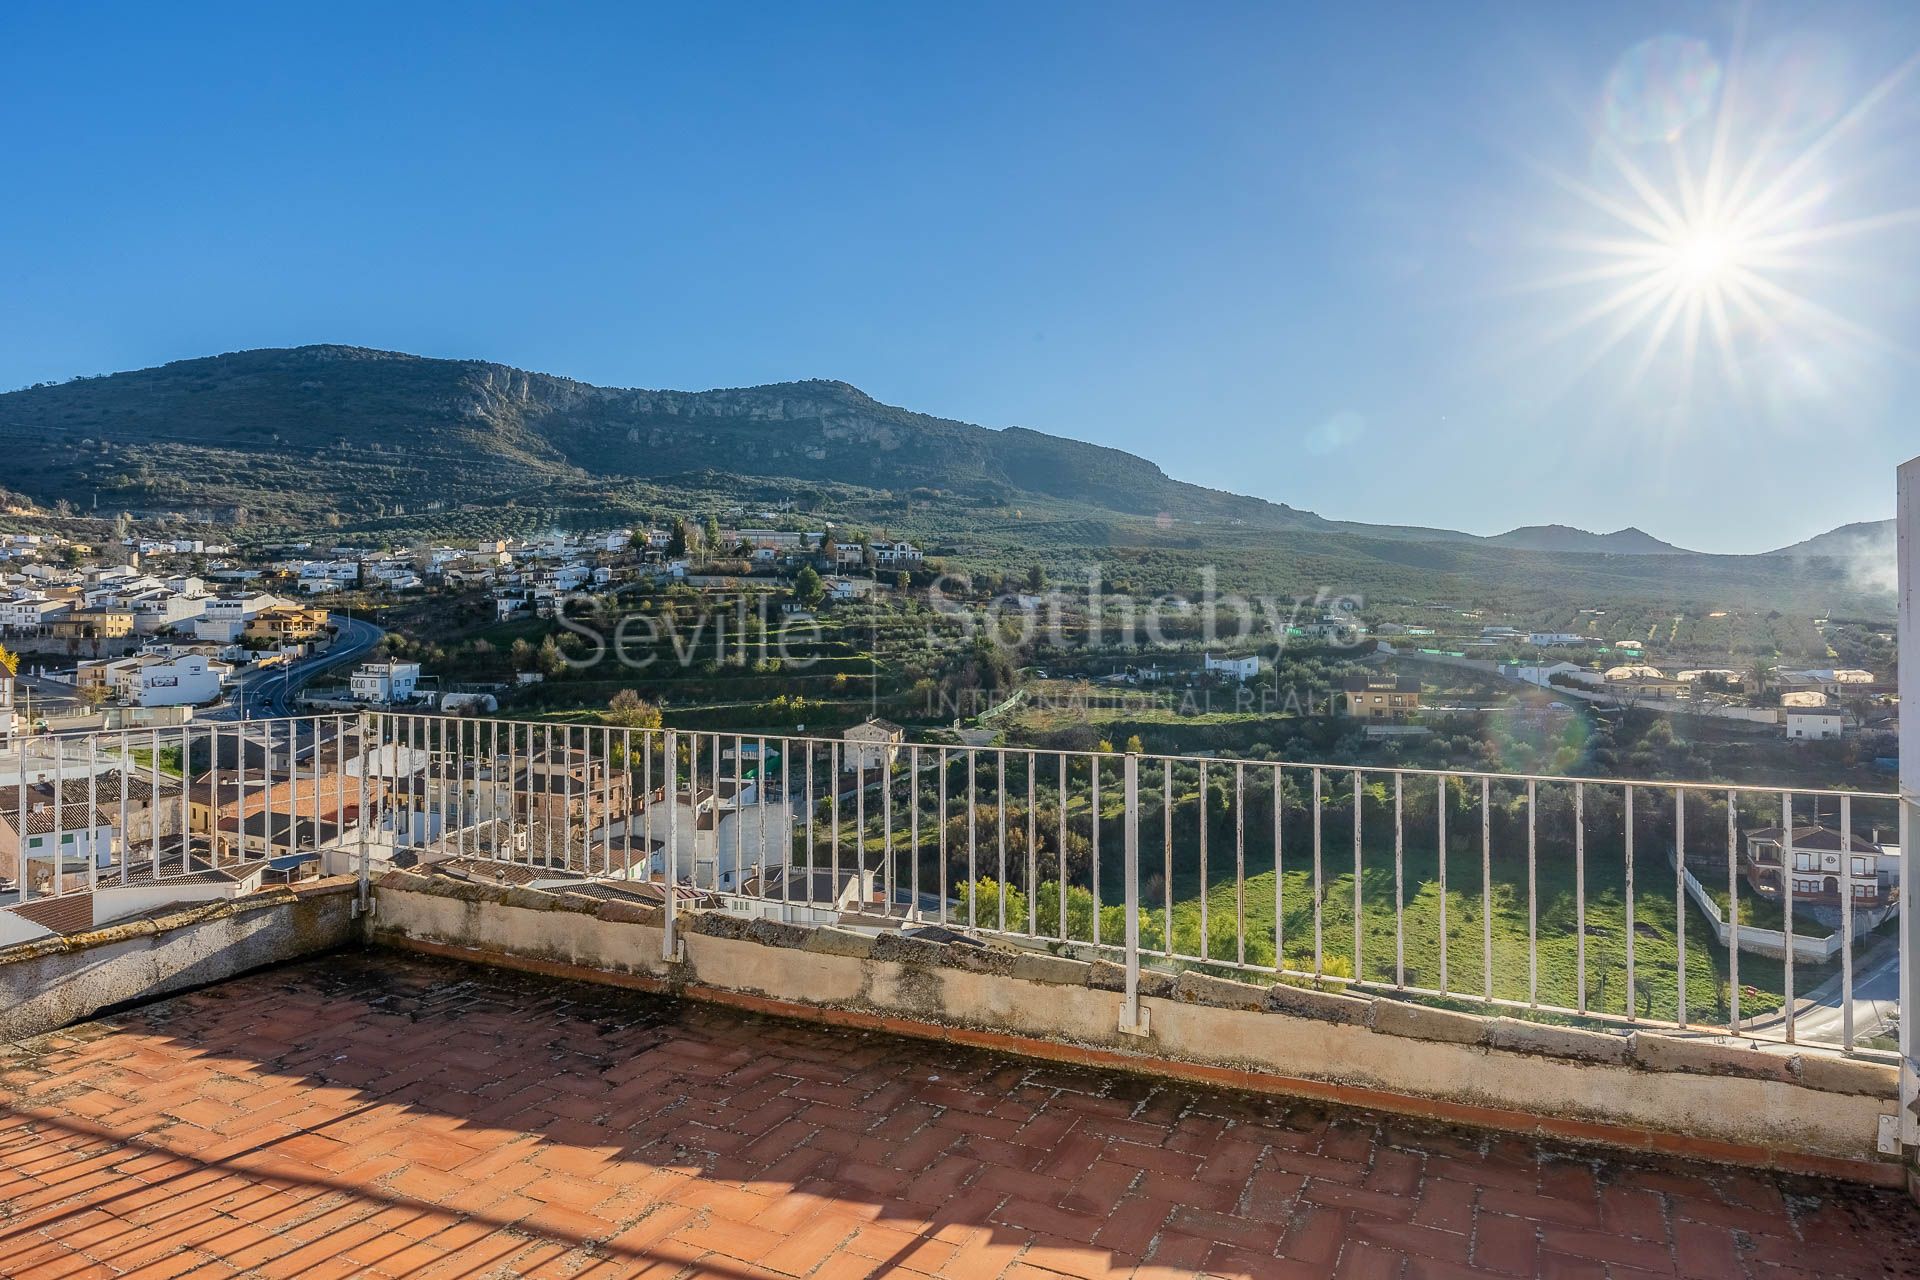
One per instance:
[(376, 1115)]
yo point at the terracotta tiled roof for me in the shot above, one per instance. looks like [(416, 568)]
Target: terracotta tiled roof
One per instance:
[(71, 913)]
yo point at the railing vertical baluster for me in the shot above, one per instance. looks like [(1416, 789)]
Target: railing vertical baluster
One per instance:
[(1279, 872), (1680, 904), (760, 783), (1033, 854), (1166, 856), (366, 849), (913, 830), (545, 791), (1580, 895), (26, 862), (645, 800), (669, 766), (1786, 902), (1319, 964), (1440, 799), (833, 835), (154, 816), (93, 812), (1093, 773), (973, 837), (1486, 887), (1359, 799), (1533, 894), (739, 818), (1061, 848), (1632, 998), (811, 805), (786, 829), (126, 832), (946, 882), (1846, 923), (1399, 886), (1130, 1012), (1206, 928), (1733, 912), (514, 792), (1000, 795), (625, 790), (1240, 862)]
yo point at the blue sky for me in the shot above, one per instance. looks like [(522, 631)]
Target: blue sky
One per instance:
[(1336, 256)]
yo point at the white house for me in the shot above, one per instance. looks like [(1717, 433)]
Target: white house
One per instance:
[(717, 840), (32, 612), (896, 553), (157, 680), (872, 744), (384, 681), (1231, 668), (9, 718), (849, 588), (242, 606), (1814, 724), (1554, 639)]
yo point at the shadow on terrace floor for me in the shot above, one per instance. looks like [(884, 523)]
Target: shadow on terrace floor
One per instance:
[(371, 1114)]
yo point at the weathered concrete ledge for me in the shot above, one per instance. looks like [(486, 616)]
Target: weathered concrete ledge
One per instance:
[(51, 982), (1810, 1111)]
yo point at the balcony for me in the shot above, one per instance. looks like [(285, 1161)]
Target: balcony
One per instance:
[(971, 1011)]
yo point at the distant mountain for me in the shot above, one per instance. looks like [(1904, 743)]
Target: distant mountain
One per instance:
[(1870, 539), (1560, 537), (360, 431)]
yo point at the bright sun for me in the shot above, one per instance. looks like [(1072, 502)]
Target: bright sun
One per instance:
[(1703, 230), (1706, 258)]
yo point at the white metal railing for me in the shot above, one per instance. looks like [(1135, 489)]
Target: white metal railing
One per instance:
[(1560, 897)]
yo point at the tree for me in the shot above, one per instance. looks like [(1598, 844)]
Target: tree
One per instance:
[(522, 655), (807, 587), (638, 542), (1036, 579), (1134, 745), (903, 580), (549, 658), (9, 661), (629, 710), (95, 695), (710, 536), (677, 542)]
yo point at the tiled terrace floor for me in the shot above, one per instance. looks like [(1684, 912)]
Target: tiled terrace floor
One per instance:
[(381, 1116)]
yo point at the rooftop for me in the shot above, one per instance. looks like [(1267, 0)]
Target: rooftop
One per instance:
[(369, 1114)]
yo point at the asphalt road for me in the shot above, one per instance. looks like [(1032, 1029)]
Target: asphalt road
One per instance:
[(258, 694), (1876, 1002)]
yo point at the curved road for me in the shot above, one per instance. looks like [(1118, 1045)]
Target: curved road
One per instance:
[(272, 692)]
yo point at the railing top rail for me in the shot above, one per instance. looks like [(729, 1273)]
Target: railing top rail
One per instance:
[(238, 727), (1668, 784)]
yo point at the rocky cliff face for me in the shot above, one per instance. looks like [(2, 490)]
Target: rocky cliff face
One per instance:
[(460, 429)]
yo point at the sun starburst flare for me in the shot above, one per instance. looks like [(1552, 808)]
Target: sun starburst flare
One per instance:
[(1711, 224)]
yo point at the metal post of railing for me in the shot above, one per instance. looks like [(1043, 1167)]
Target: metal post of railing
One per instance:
[(669, 767), (1787, 886), (366, 729), (1846, 923), (1133, 1018), (1907, 535)]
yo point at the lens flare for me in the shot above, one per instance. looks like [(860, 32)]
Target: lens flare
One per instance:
[(1707, 223)]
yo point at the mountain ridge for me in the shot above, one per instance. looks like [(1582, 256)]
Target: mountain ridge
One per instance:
[(337, 428)]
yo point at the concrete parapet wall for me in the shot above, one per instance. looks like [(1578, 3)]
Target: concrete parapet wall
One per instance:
[(52, 982), (1692, 1096)]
